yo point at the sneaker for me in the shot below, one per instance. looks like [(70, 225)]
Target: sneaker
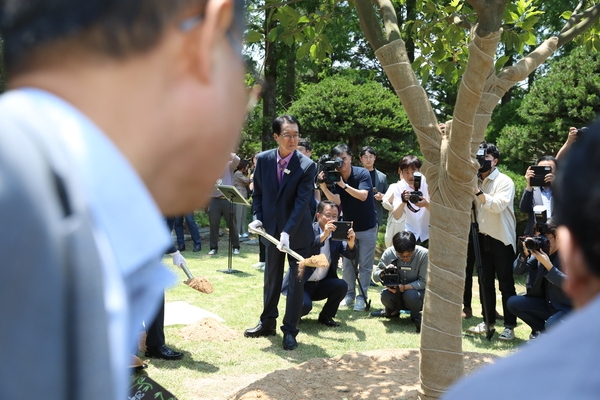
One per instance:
[(534, 335), (347, 302), (244, 235), (258, 265), (262, 268), (507, 334), (479, 329), (212, 252), (236, 252), (360, 305)]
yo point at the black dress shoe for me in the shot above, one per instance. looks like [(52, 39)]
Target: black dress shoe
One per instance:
[(163, 352), (289, 342), (328, 321), (260, 331), (181, 248), (197, 248)]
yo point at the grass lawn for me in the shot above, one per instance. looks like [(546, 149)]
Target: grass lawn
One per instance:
[(237, 298)]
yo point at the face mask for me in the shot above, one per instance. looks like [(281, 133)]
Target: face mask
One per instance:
[(486, 166)]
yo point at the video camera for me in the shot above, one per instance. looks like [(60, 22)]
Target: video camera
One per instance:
[(484, 165), (329, 166), (390, 276), (415, 195)]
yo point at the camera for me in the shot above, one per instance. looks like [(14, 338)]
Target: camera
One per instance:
[(484, 165), (539, 242), (582, 131), (329, 166), (390, 276), (541, 219), (415, 195)]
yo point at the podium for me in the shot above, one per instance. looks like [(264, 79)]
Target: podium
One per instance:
[(234, 197)]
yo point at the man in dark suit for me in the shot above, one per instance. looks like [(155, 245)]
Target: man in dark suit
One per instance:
[(538, 196), (283, 189), (323, 283)]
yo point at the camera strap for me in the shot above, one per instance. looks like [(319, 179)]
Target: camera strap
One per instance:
[(411, 208)]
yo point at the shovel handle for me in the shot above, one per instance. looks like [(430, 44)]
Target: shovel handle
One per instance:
[(186, 270), (261, 231)]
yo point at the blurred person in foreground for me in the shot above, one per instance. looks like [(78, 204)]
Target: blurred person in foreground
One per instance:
[(563, 363), (112, 104)]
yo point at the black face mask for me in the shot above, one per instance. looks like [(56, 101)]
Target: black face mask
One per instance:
[(485, 167)]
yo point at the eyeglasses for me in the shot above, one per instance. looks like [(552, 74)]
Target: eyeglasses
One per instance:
[(368, 157), (290, 137), (406, 255), (329, 216)]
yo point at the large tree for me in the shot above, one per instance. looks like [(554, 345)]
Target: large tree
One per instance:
[(450, 164)]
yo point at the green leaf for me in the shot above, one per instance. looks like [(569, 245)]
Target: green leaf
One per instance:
[(566, 14), (501, 61), (254, 37)]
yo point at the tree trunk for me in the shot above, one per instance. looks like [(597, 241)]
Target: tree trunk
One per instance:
[(270, 85)]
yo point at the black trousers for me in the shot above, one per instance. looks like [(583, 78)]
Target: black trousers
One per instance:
[(156, 330)]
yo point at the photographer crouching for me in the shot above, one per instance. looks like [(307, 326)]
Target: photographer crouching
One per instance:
[(545, 302), (402, 270)]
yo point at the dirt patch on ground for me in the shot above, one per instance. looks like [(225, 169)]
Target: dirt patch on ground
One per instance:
[(208, 329), (378, 374)]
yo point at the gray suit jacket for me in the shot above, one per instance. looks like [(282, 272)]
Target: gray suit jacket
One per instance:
[(54, 336)]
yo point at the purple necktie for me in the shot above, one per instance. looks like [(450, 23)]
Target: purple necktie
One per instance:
[(282, 163)]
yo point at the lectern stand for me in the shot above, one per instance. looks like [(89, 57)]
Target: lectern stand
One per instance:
[(234, 197)]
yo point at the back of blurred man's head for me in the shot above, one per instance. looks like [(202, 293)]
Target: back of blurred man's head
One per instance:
[(577, 211), (114, 28)]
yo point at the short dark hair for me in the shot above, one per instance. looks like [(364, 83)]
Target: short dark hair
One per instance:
[(279, 121), (367, 149), (493, 150), (305, 143), (341, 148), (117, 28), (243, 164), (577, 197), (409, 161), (322, 204), (548, 158), (404, 241)]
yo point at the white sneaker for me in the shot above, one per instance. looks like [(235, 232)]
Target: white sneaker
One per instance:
[(258, 265), (479, 329), (507, 334), (534, 335), (262, 268), (347, 302), (212, 252), (360, 304), (236, 252)]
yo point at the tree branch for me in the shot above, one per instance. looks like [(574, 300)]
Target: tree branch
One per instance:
[(578, 23), (369, 24), (489, 15), (390, 19)]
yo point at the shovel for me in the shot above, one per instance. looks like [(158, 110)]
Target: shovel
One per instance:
[(318, 261), (201, 284)]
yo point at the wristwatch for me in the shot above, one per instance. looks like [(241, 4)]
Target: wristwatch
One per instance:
[(346, 186), (479, 193)]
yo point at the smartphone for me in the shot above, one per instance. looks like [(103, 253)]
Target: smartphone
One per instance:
[(539, 173), (341, 230)]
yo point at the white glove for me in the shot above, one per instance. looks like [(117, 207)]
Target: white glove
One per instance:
[(284, 241), (255, 224), (178, 259)]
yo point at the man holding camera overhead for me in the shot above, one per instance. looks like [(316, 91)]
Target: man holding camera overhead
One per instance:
[(538, 191), (494, 196), (354, 192), (402, 270)]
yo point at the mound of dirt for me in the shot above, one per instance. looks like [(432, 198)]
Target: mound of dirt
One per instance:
[(379, 374), (208, 329)]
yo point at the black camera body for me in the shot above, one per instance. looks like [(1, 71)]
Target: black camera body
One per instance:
[(541, 219), (390, 276), (539, 242), (582, 131), (415, 195), (484, 165), (329, 166)]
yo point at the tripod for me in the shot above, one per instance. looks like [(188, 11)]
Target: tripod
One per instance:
[(480, 277)]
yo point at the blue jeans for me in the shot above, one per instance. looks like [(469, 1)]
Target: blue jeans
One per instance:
[(365, 243), (192, 227)]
